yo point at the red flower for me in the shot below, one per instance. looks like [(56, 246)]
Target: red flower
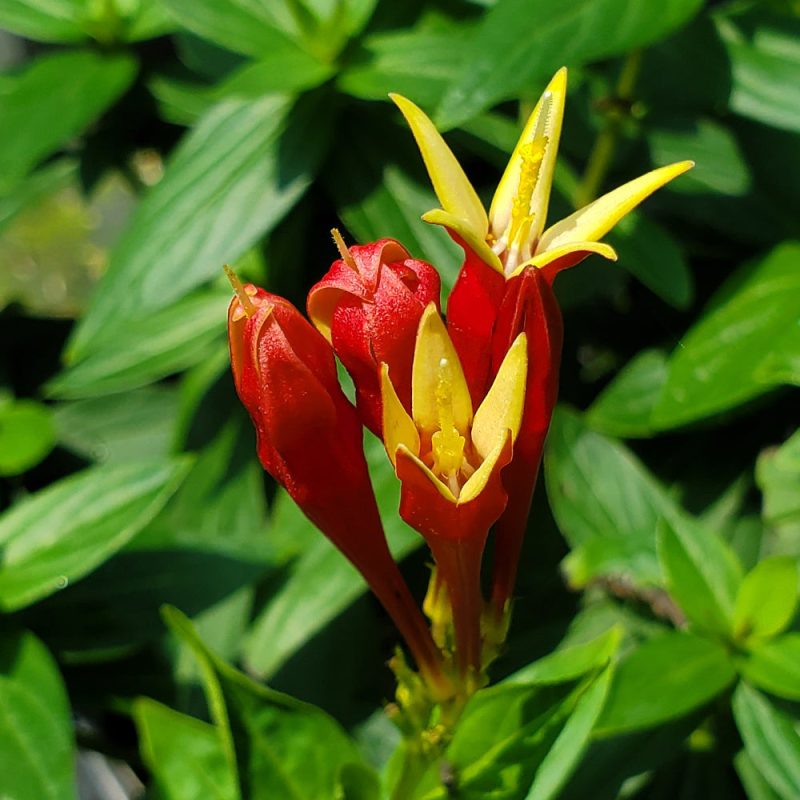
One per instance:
[(310, 441), (368, 307)]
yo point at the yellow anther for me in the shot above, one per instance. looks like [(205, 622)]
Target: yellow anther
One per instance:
[(532, 154), (447, 443), (344, 252), (244, 298)]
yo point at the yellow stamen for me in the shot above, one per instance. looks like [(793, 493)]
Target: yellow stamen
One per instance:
[(344, 252), (447, 443), (244, 298)]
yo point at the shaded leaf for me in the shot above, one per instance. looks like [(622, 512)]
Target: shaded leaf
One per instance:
[(702, 573), (663, 679), (230, 181), (770, 739), (778, 477), (41, 111), (519, 42), (36, 746), (43, 20), (721, 361), (59, 534)]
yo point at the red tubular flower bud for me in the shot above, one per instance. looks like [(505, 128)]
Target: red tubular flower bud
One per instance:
[(368, 306), (310, 441), (528, 306)]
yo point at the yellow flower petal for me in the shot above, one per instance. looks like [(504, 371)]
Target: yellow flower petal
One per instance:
[(543, 124), (595, 220), (398, 427), (587, 248), (478, 480), (405, 454), (451, 185), (438, 386), (475, 242), (501, 409)]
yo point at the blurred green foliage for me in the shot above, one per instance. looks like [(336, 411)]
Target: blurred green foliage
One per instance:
[(655, 648)]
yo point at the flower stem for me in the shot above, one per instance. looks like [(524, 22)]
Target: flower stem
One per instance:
[(605, 144)]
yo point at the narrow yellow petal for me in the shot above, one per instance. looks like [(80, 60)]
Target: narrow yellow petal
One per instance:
[(398, 427), (478, 480), (544, 124), (549, 256), (435, 362), (595, 220), (475, 242), (451, 185), (404, 453), (502, 407)]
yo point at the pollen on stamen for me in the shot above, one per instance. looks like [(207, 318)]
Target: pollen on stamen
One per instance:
[(247, 305), (344, 251)]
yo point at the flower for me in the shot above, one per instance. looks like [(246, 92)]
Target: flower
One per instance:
[(309, 439), (504, 286), (368, 307), (449, 462)]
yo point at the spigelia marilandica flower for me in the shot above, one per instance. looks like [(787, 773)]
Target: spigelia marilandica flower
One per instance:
[(449, 461), (309, 439), (511, 258), (368, 306)]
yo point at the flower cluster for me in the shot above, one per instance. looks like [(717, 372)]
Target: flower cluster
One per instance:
[(463, 407)]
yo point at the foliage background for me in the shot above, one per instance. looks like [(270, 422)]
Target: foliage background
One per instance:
[(145, 142)]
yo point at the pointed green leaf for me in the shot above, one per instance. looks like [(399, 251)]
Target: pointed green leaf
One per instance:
[(767, 599), (775, 666)]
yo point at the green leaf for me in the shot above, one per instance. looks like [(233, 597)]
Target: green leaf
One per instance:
[(122, 428), (767, 599), (41, 110), (624, 408), (572, 662), (151, 346), (569, 747), (304, 604), (702, 573), (27, 435), (229, 182), (720, 166), (515, 739), (653, 256), (63, 532), (282, 747), (775, 666), (43, 20), (765, 69), (752, 780), (241, 26), (663, 679), (519, 43), (778, 477), (606, 504), (36, 746), (183, 754), (722, 361), (45, 181), (770, 739), (415, 63)]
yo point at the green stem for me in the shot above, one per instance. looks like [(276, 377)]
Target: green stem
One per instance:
[(416, 761), (602, 154)]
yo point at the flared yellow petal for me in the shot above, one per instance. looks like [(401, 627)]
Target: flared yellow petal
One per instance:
[(595, 220), (475, 242), (478, 480), (549, 256), (451, 185), (398, 427), (404, 453), (439, 393), (502, 407), (543, 126)]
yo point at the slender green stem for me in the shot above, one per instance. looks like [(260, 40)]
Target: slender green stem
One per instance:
[(602, 154), (416, 761)]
